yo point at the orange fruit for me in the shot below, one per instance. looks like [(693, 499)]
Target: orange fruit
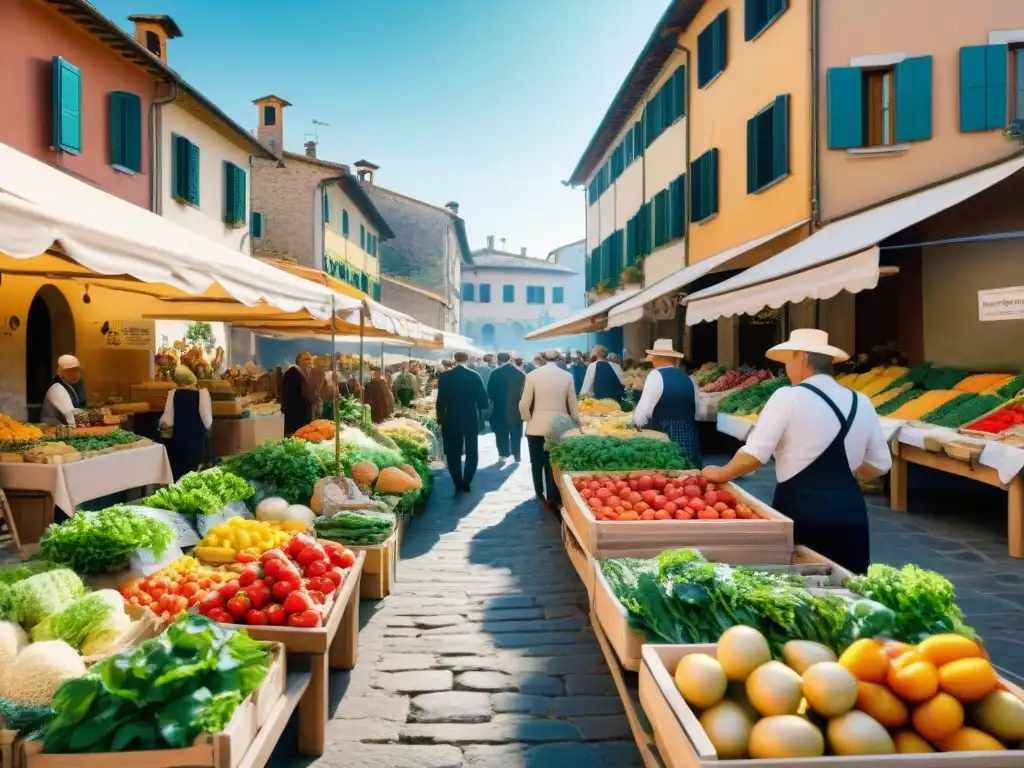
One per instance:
[(942, 649), (970, 740), (968, 679), (908, 742), (894, 649), (912, 678), (939, 717), (882, 704), (866, 660)]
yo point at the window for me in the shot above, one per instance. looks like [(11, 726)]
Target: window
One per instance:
[(326, 206), (677, 207), (535, 294), (768, 145), (344, 222), (712, 50), (269, 115), (485, 293), (758, 15), (881, 106), (364, 282), (611, 258), (185, 167), (373, 245), (125, 131), (153, 42), (983, 86), (234, 195), (467, 292), (661, 225), (667, 105), (1018, 83), (508, 294), (256, 224), (66, 117), (704, 186), (558, 295), (376, 290), (362, 237)]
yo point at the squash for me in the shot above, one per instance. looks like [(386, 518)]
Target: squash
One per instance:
[(364, 473), (316, 501), (409, 470), (394, 482)]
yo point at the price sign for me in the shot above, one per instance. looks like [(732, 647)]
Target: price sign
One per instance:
[(229, 510)]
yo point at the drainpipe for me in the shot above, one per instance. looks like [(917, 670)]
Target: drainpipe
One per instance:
[(815, 121), (155, 147)]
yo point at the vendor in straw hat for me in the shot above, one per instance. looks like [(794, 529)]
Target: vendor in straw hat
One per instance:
[(188, 415), (669, 401), (823, 436)]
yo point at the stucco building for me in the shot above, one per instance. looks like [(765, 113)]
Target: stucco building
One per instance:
[(506, 295)]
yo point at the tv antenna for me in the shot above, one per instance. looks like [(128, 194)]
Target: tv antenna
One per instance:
[(316, 129)]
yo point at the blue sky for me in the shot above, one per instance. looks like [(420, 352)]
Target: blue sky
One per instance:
[(487, 102)]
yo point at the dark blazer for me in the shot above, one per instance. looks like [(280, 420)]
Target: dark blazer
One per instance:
[(504, 389), (460, 394), (296, 400)]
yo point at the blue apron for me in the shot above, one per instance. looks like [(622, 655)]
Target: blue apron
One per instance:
[(825, 502), (675, 412), (606, 383)]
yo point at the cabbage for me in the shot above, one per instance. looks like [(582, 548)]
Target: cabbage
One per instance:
[(76, 623), (44, 594), (104, 639)]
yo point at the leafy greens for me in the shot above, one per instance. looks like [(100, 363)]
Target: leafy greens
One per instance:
[(287, 465), (613, 454), (95, 542), (200, 493)]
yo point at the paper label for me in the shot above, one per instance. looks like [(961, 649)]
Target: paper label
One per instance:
[(229, 510)]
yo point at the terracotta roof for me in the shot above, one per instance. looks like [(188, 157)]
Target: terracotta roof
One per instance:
[(488, 259), (166, 22), (315, 160), (272, 97)]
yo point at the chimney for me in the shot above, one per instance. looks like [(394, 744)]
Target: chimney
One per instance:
[(490, 242), (152, 31), (270, 125), (311, 149), (503, 243), (522, 251), (453, 207), (365, 170)]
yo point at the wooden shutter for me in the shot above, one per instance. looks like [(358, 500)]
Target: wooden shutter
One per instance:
[(193, 173), (983, 87), (752, 180), (844, 87), (705, 56), (721, 25), (362, 237), (631, 242), (679, 91), (256, 224), (125, 131), (710, 181), (234, 194), (780, 137), (66, 117), (179, 176), (753, 22), (344, 222), (914, 99), (996, 87), (661, 225), (677, 207), (696, 192)]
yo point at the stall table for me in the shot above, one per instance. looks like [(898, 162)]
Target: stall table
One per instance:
[(235, 435)]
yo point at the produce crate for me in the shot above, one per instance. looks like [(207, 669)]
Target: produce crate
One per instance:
[(10, 749), (380, 567), (578, 556), (221, 750), (966, 428), (627, 642), (145, 624), (682, 742), (769, 540)]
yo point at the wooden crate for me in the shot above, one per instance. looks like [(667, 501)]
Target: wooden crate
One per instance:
[(682, 742), (380, 567), (578, 556), (769, 540), (221, 750), (627, 642), (10, 749)]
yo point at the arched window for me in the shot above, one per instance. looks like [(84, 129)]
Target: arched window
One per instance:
[(487, 333)]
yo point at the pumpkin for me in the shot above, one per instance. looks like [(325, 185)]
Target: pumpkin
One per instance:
[(316, 501), (410, 471), (394, 482), (364, 473)]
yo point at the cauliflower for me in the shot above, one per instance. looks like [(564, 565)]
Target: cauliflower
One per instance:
[(12, 640), (38, 671)]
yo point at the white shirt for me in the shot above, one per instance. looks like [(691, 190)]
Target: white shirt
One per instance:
[(651, 396), (205, 409), (588, 377), (58, 408), (797, 426)]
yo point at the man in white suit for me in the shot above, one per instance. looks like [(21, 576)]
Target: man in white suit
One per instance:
[(549, 392)]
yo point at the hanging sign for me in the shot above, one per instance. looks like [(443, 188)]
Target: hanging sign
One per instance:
[(129, 334), (1001, 304)]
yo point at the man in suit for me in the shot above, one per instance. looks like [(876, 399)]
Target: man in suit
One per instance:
[(298, 397), (504, 390), (549, 392), (461, 398)]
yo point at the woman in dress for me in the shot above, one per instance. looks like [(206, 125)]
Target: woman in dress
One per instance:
[(188, 415), (669, 400)]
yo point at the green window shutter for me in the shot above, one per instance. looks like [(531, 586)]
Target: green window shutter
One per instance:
[(705, 56), (234, 194), (753, 21), (66, 117), (752, 180), (125, 131), (508, 294), (485, 293), (780, 137), (467, 291), (256, 224), (697, 193), (721, 25), (178, 176), (711, 181), (631, 242), (540, 294), (677, 207), (362, 237), (326, 205), (914, 99), (996, 102), (983, 87), (558, 295), (679, 91), (844, 89), (661, 218), (344, 222), (193, 174)]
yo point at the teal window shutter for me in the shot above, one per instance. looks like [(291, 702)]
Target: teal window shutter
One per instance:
[(508, 294), (558, 295), (721, 41), (234, 195), (677, 207), (193, 173), (256, 224), (758, 15), (710, 181), (344, 222), (704, 186), (467, 291), (661, 227), (540, 294), (485, 293), (712, 49), (178, 159), (780, 137), (326, 205), (66, 117), (752, 131), (125, 131), (996, 101), (631, 253), (983, 87), (362, 237), (844, 95), (679, 91), (914, 99)]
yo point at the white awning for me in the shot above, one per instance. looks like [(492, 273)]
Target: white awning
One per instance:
[(632, 310), (41, 205), (840, 256), (590, 319)]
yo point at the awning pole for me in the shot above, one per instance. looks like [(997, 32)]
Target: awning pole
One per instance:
[(337, 390), (362, 330)]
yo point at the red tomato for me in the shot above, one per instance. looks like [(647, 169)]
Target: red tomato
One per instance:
[(728, 514), (211, 601), (727, 497), (221, 615), (255, 617), (649, 495), (645, 482), (247, 577), (586, 493), (272, 554), (627, 505), (204, 583), (190, 589), (311, 554), (659, 502), (259, 595), (607, 511), (318, 598), (684, 514), (691, 490), (711, 498), (696, 504), (594, 485), (595, 503), (635, 497), (670, 507), (721, 506), (669, 492), (306, 619), (640, 507), (744, 512), (276, 615), (228, 590), (702, 482), (620, 484), (239, 605), (336, 575), (318, 568), (281, 590), (348, 559), (634, 484), (297, 602), (603, 493), (624, 492), (157, 592)]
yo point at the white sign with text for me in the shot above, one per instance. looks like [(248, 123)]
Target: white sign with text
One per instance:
[(1001, 304)]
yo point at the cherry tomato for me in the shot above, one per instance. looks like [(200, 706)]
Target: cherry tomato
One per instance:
[(256, 617), (305, 619), (229, 590), (336, 575), (310, 555), (281, 590), (276, 615), (245, 557), (316, 568), (221, 615), (247, 577), (259, 596), (348, 559), (272, 554), (157, 592), (190, 589), (297, 602), (272, 567), (239, 605)]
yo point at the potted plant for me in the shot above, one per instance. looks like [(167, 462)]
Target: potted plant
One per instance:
[(632, 276)]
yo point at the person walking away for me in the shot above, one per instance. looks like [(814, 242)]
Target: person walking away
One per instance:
[(669, 400), (404, 387), (379, 397), (560, 362), (188, 416), (504, 390), (517, 362), (548, 393), (461, 398), (823, 437), (298, 398), (604, 379), (65, 395), (578, 369)]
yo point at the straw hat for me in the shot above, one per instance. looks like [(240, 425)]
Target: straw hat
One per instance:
[(663, 348), (806, 340)]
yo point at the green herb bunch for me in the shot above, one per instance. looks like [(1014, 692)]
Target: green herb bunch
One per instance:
[(97, 542), (200, 493), (287, 465), (613, 454)]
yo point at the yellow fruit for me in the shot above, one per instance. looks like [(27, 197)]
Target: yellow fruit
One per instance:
[(908, 743), (1001, 714), (970, 740), (867, 661), (801, 654), (912, 678), (968, 679), (728, 727), (740, 651), (858, 734), (939, 717), (212, 540), (774, 689), (215, 554), (942, 649), (701, 681), (830, 688), (785, 736), (882, 704)]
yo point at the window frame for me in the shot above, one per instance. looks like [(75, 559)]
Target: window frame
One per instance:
[(469, 292), (558, 295), (1015, 85), (181, 170), (508, 294), (271, 110), (876, 81), (484, 293), (124, 108)]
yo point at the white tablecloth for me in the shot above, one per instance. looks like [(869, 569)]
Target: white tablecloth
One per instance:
[(1007, 460), (81, 481), (734, 426)]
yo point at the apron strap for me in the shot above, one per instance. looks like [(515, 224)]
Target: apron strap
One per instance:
[(844, 422)]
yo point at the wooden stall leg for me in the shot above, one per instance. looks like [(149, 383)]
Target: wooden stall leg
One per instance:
[(1015, 517), (898, 483), (344, 650), (313, 709)]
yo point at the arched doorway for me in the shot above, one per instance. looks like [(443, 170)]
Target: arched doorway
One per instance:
[(49, 333), (487, 335)]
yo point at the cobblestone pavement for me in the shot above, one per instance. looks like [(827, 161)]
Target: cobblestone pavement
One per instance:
[(483, 656)]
